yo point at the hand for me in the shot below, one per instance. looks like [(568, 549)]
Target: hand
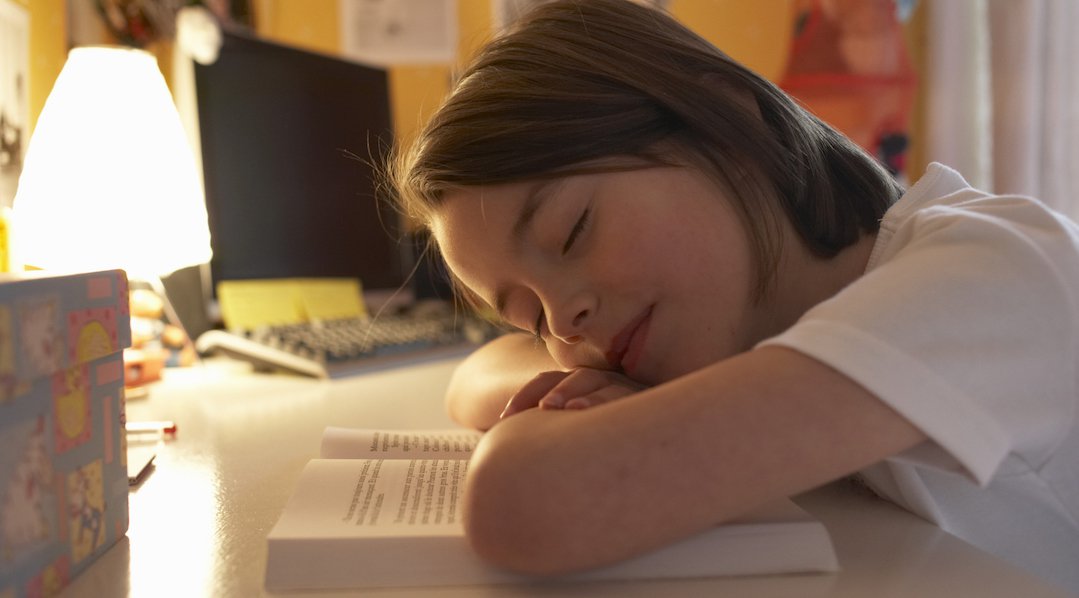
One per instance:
[(577, 389)]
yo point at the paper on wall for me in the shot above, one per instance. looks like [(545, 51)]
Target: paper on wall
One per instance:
[(389, 32)]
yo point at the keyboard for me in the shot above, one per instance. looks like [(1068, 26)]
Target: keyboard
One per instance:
[(339, 348)]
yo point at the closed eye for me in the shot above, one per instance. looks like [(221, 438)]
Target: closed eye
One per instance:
[(538, 326), (576, 231)]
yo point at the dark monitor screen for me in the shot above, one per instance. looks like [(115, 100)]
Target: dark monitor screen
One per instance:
[(288, 139)]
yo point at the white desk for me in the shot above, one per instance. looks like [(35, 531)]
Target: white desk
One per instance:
[(199, 521)]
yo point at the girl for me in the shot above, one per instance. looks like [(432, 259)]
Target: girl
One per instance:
[(725, 301)]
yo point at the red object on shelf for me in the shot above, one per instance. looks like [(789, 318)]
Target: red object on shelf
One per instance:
[(849, 66)]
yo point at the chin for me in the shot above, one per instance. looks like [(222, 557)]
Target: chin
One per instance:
[(654, 376), (684, 367)]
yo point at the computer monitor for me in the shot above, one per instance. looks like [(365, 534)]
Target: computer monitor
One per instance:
[(288, 142)]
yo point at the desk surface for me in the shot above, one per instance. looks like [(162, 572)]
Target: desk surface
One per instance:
[(199, 520)]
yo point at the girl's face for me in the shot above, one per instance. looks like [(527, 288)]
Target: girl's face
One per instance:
[(647, 271)]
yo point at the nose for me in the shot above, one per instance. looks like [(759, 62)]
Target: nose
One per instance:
[(568, 318)]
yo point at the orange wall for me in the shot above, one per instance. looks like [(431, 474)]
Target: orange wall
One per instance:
[(48, 49), (753, 31), (757, 33), (309, 24)]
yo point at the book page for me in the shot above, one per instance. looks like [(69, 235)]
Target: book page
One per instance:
[(341, 498), (350, 443), (375, 523)]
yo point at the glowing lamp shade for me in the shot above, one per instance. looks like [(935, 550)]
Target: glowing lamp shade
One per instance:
[(109, 179)]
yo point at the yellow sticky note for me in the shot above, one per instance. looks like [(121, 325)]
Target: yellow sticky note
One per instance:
[(331, 298), (248, 304)]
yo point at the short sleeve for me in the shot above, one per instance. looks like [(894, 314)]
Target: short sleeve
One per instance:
[(964, 323)]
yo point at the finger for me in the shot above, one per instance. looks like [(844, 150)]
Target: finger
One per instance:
[(529, 395), (578, 383), (603, 395), (553, 400), (586, 381), (578, 403)]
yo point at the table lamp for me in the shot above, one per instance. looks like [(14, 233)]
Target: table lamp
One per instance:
[(109, 179)]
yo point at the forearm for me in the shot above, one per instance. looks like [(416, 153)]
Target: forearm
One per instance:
[(484, 382), (558, 491)]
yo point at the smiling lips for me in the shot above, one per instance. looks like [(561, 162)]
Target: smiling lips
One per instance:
[(627, 345)]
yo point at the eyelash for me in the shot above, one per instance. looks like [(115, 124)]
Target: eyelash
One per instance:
[(579, 226), (536, 327), (576, 231)]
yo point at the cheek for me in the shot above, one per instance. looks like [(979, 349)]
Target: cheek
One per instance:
[(563, 354), (575, 356)]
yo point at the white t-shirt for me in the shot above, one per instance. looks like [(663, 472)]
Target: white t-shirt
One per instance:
[(966, 322)]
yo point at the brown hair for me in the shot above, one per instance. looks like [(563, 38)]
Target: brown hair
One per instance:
[(579, 80)]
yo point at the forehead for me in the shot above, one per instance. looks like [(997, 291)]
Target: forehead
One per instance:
[(475, 213), (473, 227)]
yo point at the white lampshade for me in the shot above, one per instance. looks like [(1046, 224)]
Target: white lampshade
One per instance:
[(109, 179)]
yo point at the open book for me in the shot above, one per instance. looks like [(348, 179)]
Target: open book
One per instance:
[(381, 508)]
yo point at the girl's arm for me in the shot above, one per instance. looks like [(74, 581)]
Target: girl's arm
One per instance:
[(554, 491), (484, 382)]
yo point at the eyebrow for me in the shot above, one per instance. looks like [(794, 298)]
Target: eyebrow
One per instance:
[(533, 201)]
